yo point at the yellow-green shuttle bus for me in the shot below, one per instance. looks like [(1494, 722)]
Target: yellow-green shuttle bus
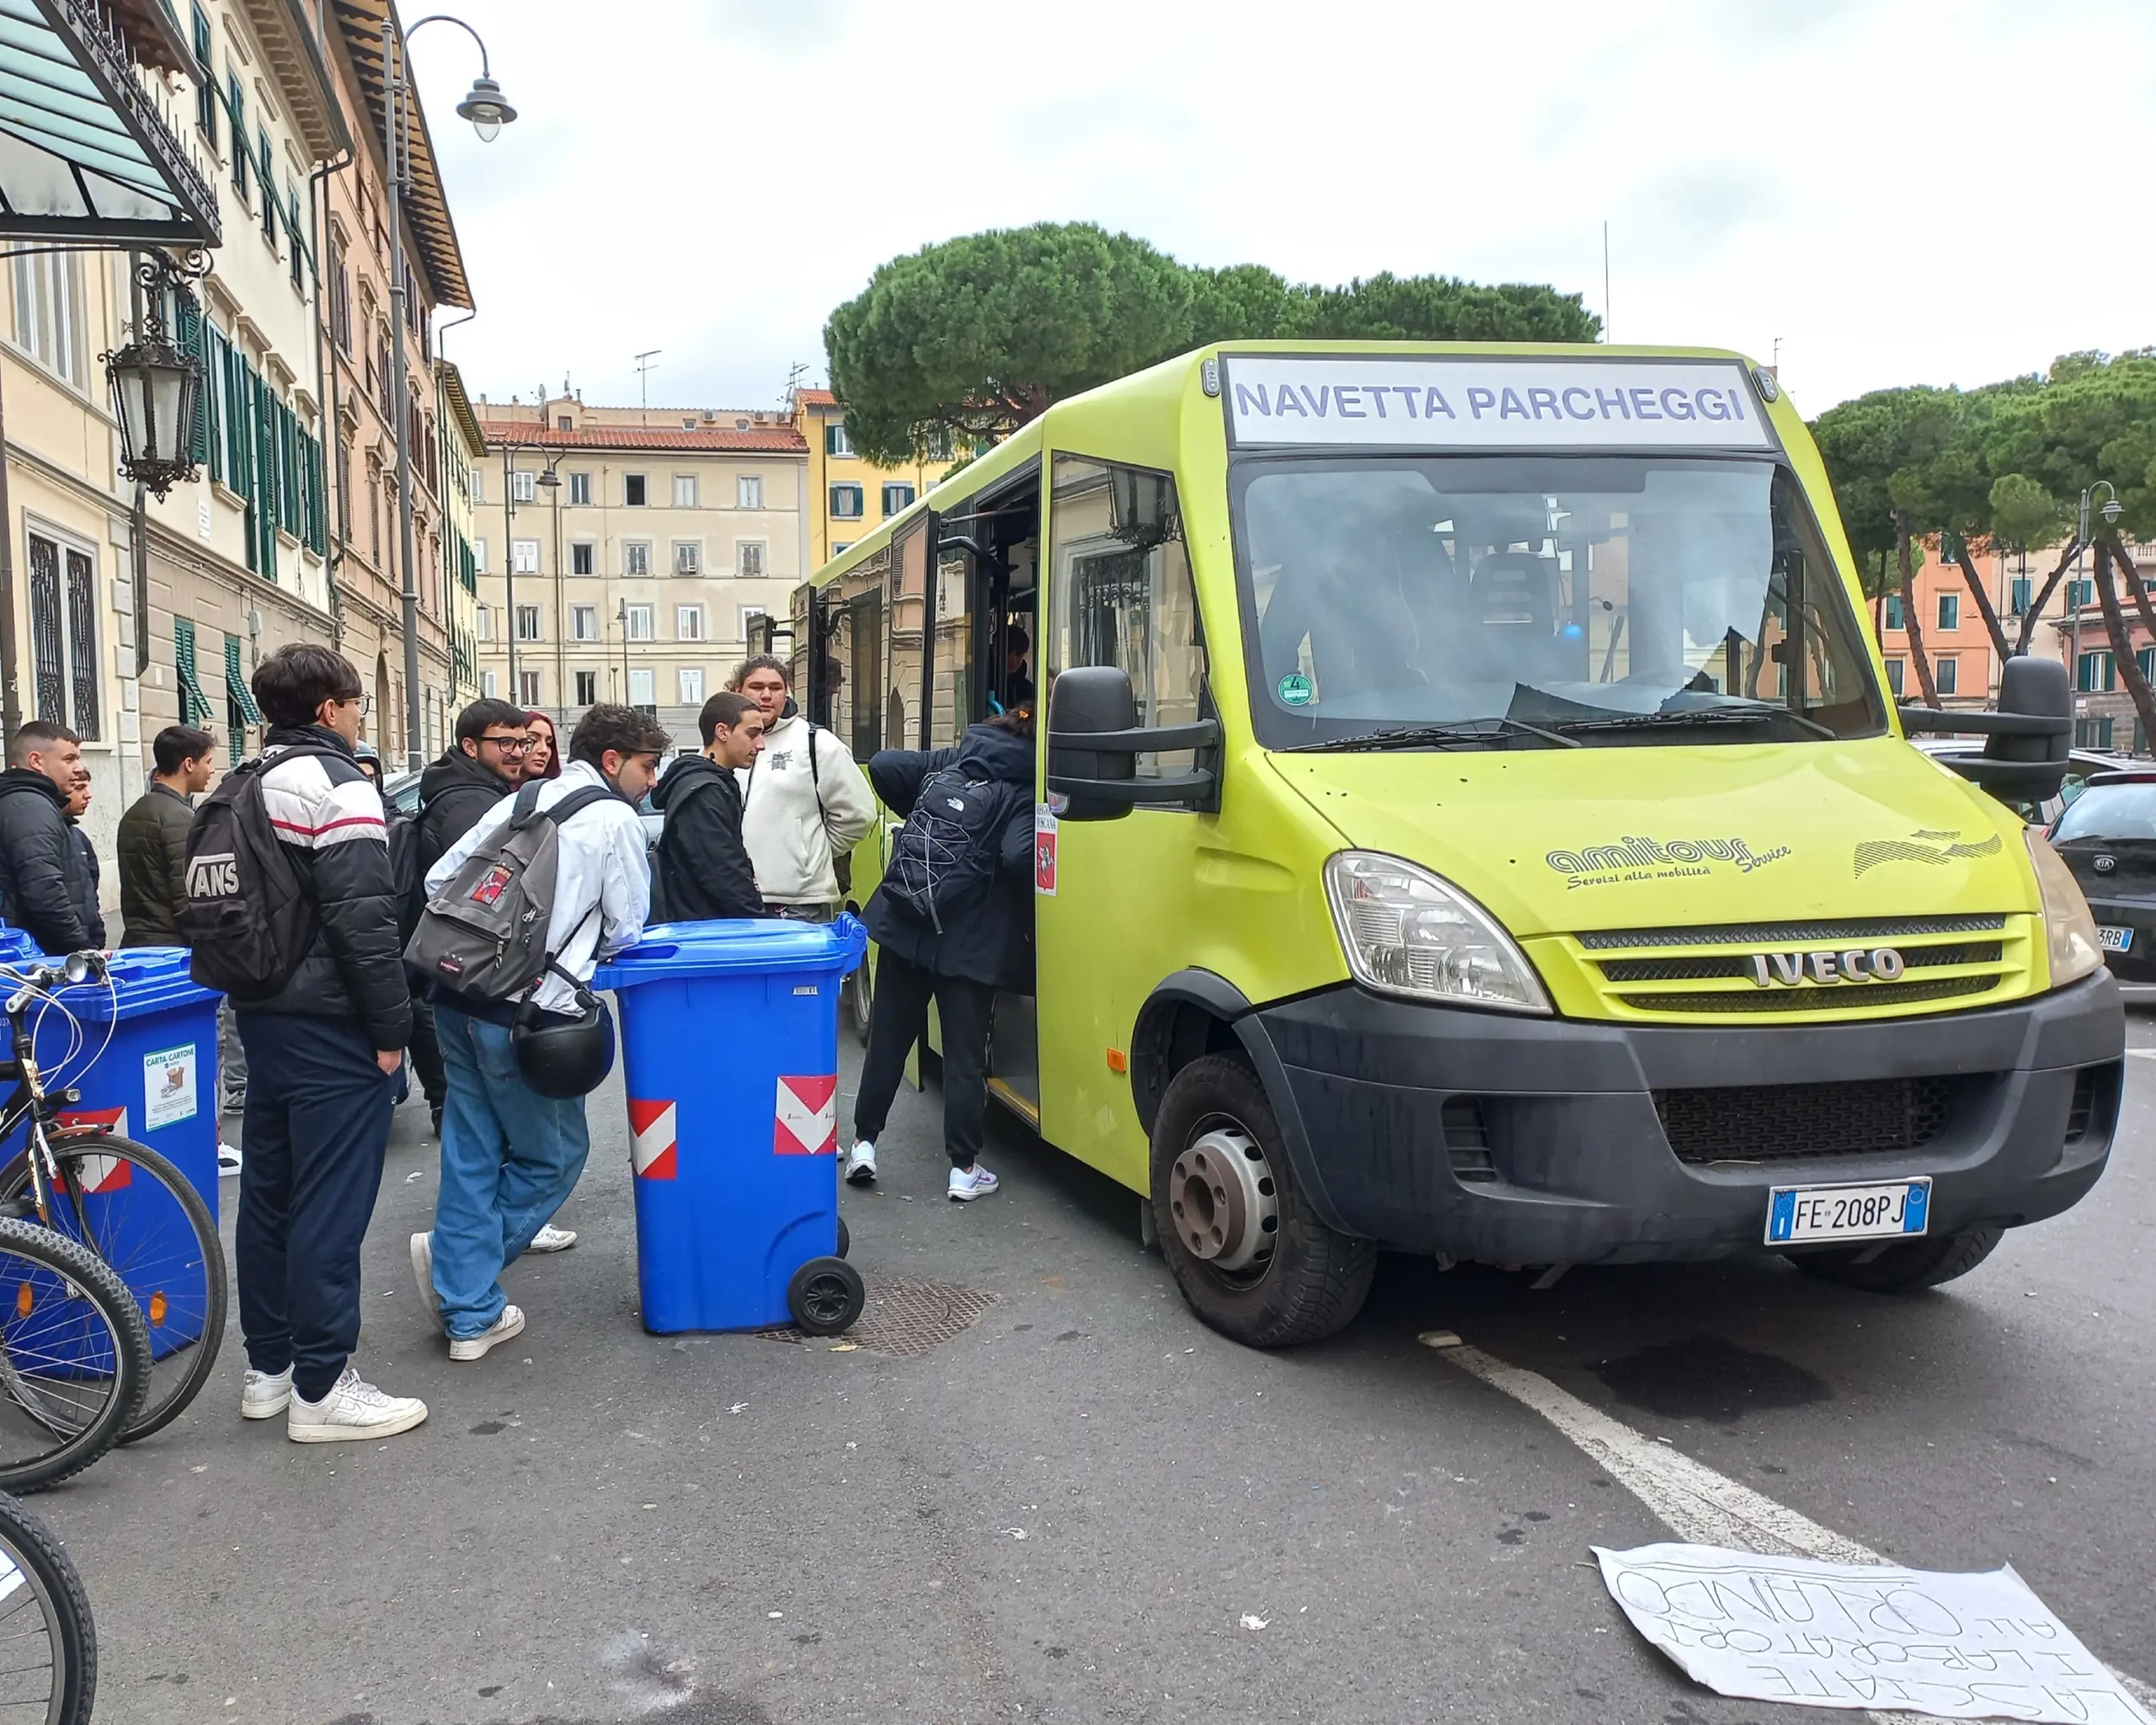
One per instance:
[(1471, 822)]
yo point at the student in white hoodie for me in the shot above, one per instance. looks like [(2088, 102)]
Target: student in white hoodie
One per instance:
[(805, 803)]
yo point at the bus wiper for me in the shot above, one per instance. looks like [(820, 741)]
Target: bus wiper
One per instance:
[(1483, 731), (1761, 714)]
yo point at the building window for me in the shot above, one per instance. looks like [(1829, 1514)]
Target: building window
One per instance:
[(579, 488), (845, 503), (749, 491), (1946, 677), (587, 687), (691, 685), (633, 490), (48, 314), (635, 557), (638, 618), (896, 498), (267, 158), (752, 624), (482, 622), (527, 622), (836, 441), (523, 486), (2018, 596), (583, 558), (489, 685), (2081, 593), (478, 557), (939, 444), (685, 491), (1893, 610), (64, 635), (1895, 669), (2092, 734), (583, 622), (643, 687), (842, 547), (688, 557), (524, 557), (564, 422), (688, 622), (2096, 673), (206, 85), (1950, 611), (527, 688), (479, 484), (235, 104), (749, 557)]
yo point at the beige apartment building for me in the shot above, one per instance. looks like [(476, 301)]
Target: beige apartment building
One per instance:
[(632, 554), (849, 495)]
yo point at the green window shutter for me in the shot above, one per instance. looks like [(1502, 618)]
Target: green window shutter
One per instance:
[(213, 379), (194, 706), (241, 466), (236, 693)]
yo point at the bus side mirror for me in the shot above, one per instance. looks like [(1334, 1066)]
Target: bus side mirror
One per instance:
[(2027, 741), (1094, 742), (1090, 700)]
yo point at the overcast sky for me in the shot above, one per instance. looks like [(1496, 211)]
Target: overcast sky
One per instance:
[(1898, 190)]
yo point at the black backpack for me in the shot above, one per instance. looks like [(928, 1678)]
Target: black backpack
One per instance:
[(247, 918), (405, 869), (946, 852)]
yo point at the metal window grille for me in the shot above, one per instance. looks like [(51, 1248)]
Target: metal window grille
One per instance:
[(46, 631), (83, 643)]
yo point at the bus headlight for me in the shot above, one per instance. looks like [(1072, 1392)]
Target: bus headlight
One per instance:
[(1405, 931), (2069, 931)]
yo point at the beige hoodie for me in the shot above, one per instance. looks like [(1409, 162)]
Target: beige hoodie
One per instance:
[(794, 821)]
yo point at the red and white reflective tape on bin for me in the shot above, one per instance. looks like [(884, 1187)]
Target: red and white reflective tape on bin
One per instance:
[(651, 1139), (807, 1122), (101, 1173)]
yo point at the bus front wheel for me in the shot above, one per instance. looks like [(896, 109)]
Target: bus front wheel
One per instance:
[(1250, 1258)]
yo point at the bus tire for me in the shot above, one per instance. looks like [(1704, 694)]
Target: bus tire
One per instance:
[(1312, 1281), (1907, 1268), (858, 996)]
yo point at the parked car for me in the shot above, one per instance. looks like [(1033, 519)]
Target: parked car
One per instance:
[(2082, 764), (2107, 836), (401, 790)]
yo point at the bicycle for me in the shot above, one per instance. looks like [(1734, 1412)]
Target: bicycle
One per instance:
[(74, 1357), (123, 1201), (60, 1676)]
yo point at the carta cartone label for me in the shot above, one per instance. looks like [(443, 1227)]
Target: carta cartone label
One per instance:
[(1493, 404)]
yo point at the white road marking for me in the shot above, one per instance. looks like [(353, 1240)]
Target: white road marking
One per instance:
[(1696, 1504)]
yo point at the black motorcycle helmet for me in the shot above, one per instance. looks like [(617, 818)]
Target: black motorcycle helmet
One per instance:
[(564, 1057)]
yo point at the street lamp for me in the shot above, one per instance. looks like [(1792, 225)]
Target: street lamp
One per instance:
[(2110, 508), (157, 387), (489, 114)]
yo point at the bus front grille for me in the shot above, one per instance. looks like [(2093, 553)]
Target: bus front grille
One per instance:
[(1762, 1123)]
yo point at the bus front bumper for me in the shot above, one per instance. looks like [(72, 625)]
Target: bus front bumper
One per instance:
[(1523, 1140)]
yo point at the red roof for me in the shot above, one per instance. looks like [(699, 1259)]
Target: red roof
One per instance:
[(818, 398), (760, 439)]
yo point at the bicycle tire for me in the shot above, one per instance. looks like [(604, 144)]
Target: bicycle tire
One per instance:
[(170, 1391), (53, 1586), (89, 1289)]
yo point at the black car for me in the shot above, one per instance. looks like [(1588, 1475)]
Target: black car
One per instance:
[(2107, 836)]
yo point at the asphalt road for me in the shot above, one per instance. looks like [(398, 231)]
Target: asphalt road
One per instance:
[(1072, 1509)]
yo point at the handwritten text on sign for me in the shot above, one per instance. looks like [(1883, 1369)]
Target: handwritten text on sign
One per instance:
[(1493, 404), (1839, 1635)]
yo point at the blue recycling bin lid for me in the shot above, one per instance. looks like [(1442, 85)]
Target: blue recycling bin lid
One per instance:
[(144, 979), (764, 946), (17, 947)]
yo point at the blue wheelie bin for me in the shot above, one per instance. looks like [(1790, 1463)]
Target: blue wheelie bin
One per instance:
[(145, 1067), (729, 1046)]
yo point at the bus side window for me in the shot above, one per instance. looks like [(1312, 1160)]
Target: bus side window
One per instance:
[(1122, 592)]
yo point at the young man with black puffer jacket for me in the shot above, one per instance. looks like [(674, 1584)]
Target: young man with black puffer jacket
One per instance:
[(44, 886), (702, 872), (323, 1055)]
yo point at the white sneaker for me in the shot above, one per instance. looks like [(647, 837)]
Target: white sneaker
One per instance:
[(861, 1164), (227, 1159), (263, 1394), (422, 1272), (969, 1183), (509, 1323), (549, 1238), (352, 1411)]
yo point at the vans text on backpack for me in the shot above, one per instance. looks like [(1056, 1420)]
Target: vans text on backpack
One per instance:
[(246, 915)]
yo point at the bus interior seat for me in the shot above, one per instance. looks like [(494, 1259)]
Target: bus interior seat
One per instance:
[(1515, 618)]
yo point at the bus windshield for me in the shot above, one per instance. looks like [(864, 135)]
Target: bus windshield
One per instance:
[(1541, 601)]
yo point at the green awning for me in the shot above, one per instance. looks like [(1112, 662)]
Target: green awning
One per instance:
[(85, 152)]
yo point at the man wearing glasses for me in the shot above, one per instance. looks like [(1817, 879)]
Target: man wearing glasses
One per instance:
[(481, 765)]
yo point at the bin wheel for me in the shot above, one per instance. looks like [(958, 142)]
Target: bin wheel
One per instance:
[(825, 1296), (845, 1240)]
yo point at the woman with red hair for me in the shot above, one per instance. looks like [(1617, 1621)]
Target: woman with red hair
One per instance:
[(545, 760)]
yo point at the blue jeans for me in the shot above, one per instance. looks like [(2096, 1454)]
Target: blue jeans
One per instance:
[(510, 1157)]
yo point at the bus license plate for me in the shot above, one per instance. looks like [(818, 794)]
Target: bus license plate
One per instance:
[(1798, 1213), (2115, 940)]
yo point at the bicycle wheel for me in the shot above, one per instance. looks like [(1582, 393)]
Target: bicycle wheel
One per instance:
[(74, 1357), (47, 1636), (130, 1206)]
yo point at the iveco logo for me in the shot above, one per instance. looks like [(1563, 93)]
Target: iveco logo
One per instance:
[(1790, 969)]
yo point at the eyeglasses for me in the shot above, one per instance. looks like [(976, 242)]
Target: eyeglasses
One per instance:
[(509, 745), (364, 702)]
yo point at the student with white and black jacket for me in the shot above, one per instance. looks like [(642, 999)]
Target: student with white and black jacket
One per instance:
[(323, 1055), (805, 803)]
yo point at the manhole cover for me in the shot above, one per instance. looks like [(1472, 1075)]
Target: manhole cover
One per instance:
[(904, 1318)]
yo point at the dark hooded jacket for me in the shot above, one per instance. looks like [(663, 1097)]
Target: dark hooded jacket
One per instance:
[(153, 867), (703, 871), (991, 940), (86, 881), (42, 889), (453, 792)]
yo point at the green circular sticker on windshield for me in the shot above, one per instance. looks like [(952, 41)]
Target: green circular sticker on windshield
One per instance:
[(1295, 690)]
